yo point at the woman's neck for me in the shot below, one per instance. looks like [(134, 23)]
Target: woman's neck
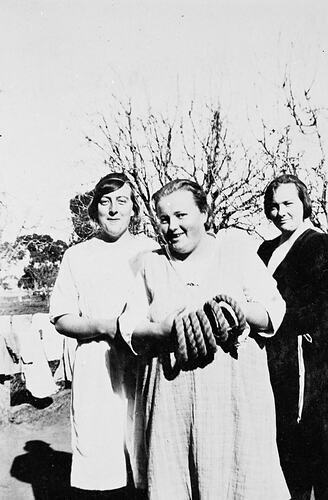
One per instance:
[(200, 251), (109, 239), (287, 235)]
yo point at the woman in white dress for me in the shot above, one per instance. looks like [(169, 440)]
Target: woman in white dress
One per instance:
[(94, 281), (206, 433)]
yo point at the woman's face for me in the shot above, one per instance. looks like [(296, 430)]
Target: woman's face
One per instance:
[(287, 212), (181, 222), (115, 210)]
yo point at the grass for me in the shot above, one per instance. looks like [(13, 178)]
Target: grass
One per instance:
[(28, 305)]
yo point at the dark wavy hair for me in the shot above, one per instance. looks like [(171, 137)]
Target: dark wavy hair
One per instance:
[(108, 184), (303, 193), (184, 185)]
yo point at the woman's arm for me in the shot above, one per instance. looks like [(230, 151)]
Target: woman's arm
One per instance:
[(147, 336), (257, 317), (265, 307), (81, 328)]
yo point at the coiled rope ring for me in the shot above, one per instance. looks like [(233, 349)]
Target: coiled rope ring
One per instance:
[(198, 333)]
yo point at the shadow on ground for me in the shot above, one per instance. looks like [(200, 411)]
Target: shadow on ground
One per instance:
[(47, 470)]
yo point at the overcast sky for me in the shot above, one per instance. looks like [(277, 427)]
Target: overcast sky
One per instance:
[(62, 60)]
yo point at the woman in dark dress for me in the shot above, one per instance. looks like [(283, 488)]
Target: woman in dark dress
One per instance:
[(298, 353)]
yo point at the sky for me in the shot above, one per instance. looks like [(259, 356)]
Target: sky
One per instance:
[(62, 61)]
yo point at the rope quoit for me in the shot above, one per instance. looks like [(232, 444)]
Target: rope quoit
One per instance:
[(234, 315), (199, 333), (220, 326), (207, 331), (191, 341), (181, 349)]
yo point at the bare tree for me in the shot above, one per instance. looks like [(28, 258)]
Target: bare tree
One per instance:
[(196, 145), (288, 150)]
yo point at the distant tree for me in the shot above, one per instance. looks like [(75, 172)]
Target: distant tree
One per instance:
[(45, 256), (13, 259), (84, 228)]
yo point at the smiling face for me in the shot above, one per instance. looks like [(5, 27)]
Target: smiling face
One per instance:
[(181, 222), (287, 211), (115, 210)]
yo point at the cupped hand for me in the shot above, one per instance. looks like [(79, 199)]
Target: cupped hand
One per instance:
[(168, 321)]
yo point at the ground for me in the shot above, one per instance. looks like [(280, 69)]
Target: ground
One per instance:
[(35, 444), (35, 458)]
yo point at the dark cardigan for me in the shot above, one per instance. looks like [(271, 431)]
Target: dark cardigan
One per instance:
[(302, 280)]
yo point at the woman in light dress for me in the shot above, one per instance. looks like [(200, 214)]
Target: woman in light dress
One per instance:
[(207, 433), (94, 281)]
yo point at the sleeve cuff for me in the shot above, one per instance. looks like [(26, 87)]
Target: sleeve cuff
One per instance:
[(126, 326)]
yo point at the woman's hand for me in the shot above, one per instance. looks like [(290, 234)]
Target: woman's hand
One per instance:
[(167, 324), (154, 337)]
